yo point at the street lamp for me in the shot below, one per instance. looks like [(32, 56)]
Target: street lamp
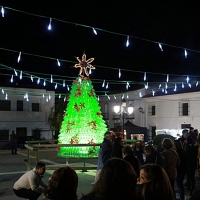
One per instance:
[(122, 110)]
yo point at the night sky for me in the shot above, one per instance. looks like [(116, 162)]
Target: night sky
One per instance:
[(147, 24)]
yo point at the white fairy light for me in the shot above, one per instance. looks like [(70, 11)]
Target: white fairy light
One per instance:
[(182, 85), (59, 96), (80, 80), (175, 87), (64, 99), (43, 96), (2, 11), (123, 96), (103, 83), (127, 41), (140, 94), (38, 81), (127, 96), (145, 76), (44, 83), (105, 94), (108, 97), (95, 32), (160, 46), (166, 86), (47, 100), (67, 87), (127, 85), (6, 97), (167, 78), (114, 97), (55, 86), (19, 57), (15, 72), (165, 91), (58, 63), (11, 80), (20, 75), (49, 96), (187, 79), (189, 85), (51, 79), (153, 92), (119, 73), (90, 71), (159, 86), (197, 83), (98, 98), (185, 53), (2, 90), (31, 78), (49, 26), (63, 83), (146, 86)]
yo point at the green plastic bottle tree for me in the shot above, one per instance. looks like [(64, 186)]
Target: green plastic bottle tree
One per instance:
[(83, 122)]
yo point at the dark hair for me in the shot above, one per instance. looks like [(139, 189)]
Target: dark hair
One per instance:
[(63, 184), (149, 149), (117, 180), (13, 131), (158, 185), (127, 150), (178, 145), (167, 143), (40, 165), (184, 131), (107, 133), (191, 128)]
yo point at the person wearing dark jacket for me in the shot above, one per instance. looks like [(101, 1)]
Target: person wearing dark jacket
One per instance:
[(117, 148), (13, 143), (127, 154), (181, 169), (107, 147)]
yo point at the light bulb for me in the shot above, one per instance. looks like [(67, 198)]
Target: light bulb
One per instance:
[(185, 53), (51, 79), (145, 76), (63, 83), (58, 62), (2, 11), (20, 75), (15, 72), (160, 46), (31, 78), (127, 41), (19, 57), (167, 77), (103, 83), (49, 26), (119, 73), (94, 31), (11, 80)]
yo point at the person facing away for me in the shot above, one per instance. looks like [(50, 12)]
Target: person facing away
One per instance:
[(181, 169), (127, 154), (28, 185), (117, 181), (183, 138), (172, 160), (154, 157), (117, 148), (107, 147), (13, 143), (154, 184), (63, 184), (192, 136), (138, 151)]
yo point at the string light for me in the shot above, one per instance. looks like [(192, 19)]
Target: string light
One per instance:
[(127, 41), (175, 87), (49, 26), (123, 96), (107, 85), (43, 96), (127, 96), (11, 80), (2, 91), (38, 81), (189, 85), (44, 83), (58, 63), (2, 11), (146, 86), (49, 96), (64, 99), (114, 97), (187, 79), (19, 57), (94, 31), (167, 78), (6, 97), (153, 92), (197, 83), (108, 97), (59, 96), (103, 83), (119, 73), (165, 91), (166, 86), (140, 94), (98, 98), (47, 100), (185, 53), (127, 85), (90, 71), (63, 83), (145, 76), (31, 78), (182, 85), (56, 86), (15, 72), (160, 46), (20, 75), (51, 79), (67, 87), (159, 86)]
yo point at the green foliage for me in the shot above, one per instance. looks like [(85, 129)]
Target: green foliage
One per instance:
[(157, 140)]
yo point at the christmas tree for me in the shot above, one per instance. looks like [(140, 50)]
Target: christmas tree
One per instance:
[(83, 122)]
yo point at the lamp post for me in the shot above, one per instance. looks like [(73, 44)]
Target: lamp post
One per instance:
[(122, 110)]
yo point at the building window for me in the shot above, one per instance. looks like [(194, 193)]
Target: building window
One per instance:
[(152, 110), (5, 105), (183, 126), (35, 107), (184, 109), (4, 134), (19, 105)]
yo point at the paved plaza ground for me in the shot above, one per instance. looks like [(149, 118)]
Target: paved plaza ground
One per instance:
[(13, 166)]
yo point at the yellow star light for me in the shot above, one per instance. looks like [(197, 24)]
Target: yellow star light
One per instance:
[(84, 65)]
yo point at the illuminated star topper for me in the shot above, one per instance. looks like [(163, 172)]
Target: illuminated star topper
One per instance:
[(84, 65)]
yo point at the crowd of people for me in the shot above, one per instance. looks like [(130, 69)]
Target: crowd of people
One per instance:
[(124, 172)]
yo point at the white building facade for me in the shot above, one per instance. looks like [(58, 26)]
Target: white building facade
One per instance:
[(25, 111), (169, 113)]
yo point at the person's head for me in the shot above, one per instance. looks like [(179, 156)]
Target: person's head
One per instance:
[(127, 150), (149, 149), (185, 133), (41, 168), (167, 143), (108, 136), (138, 145), (191, 129), (118, 141), (13, 132), (117, 180), (156, 183), (178, 145), (196, 132), (63, 184)]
